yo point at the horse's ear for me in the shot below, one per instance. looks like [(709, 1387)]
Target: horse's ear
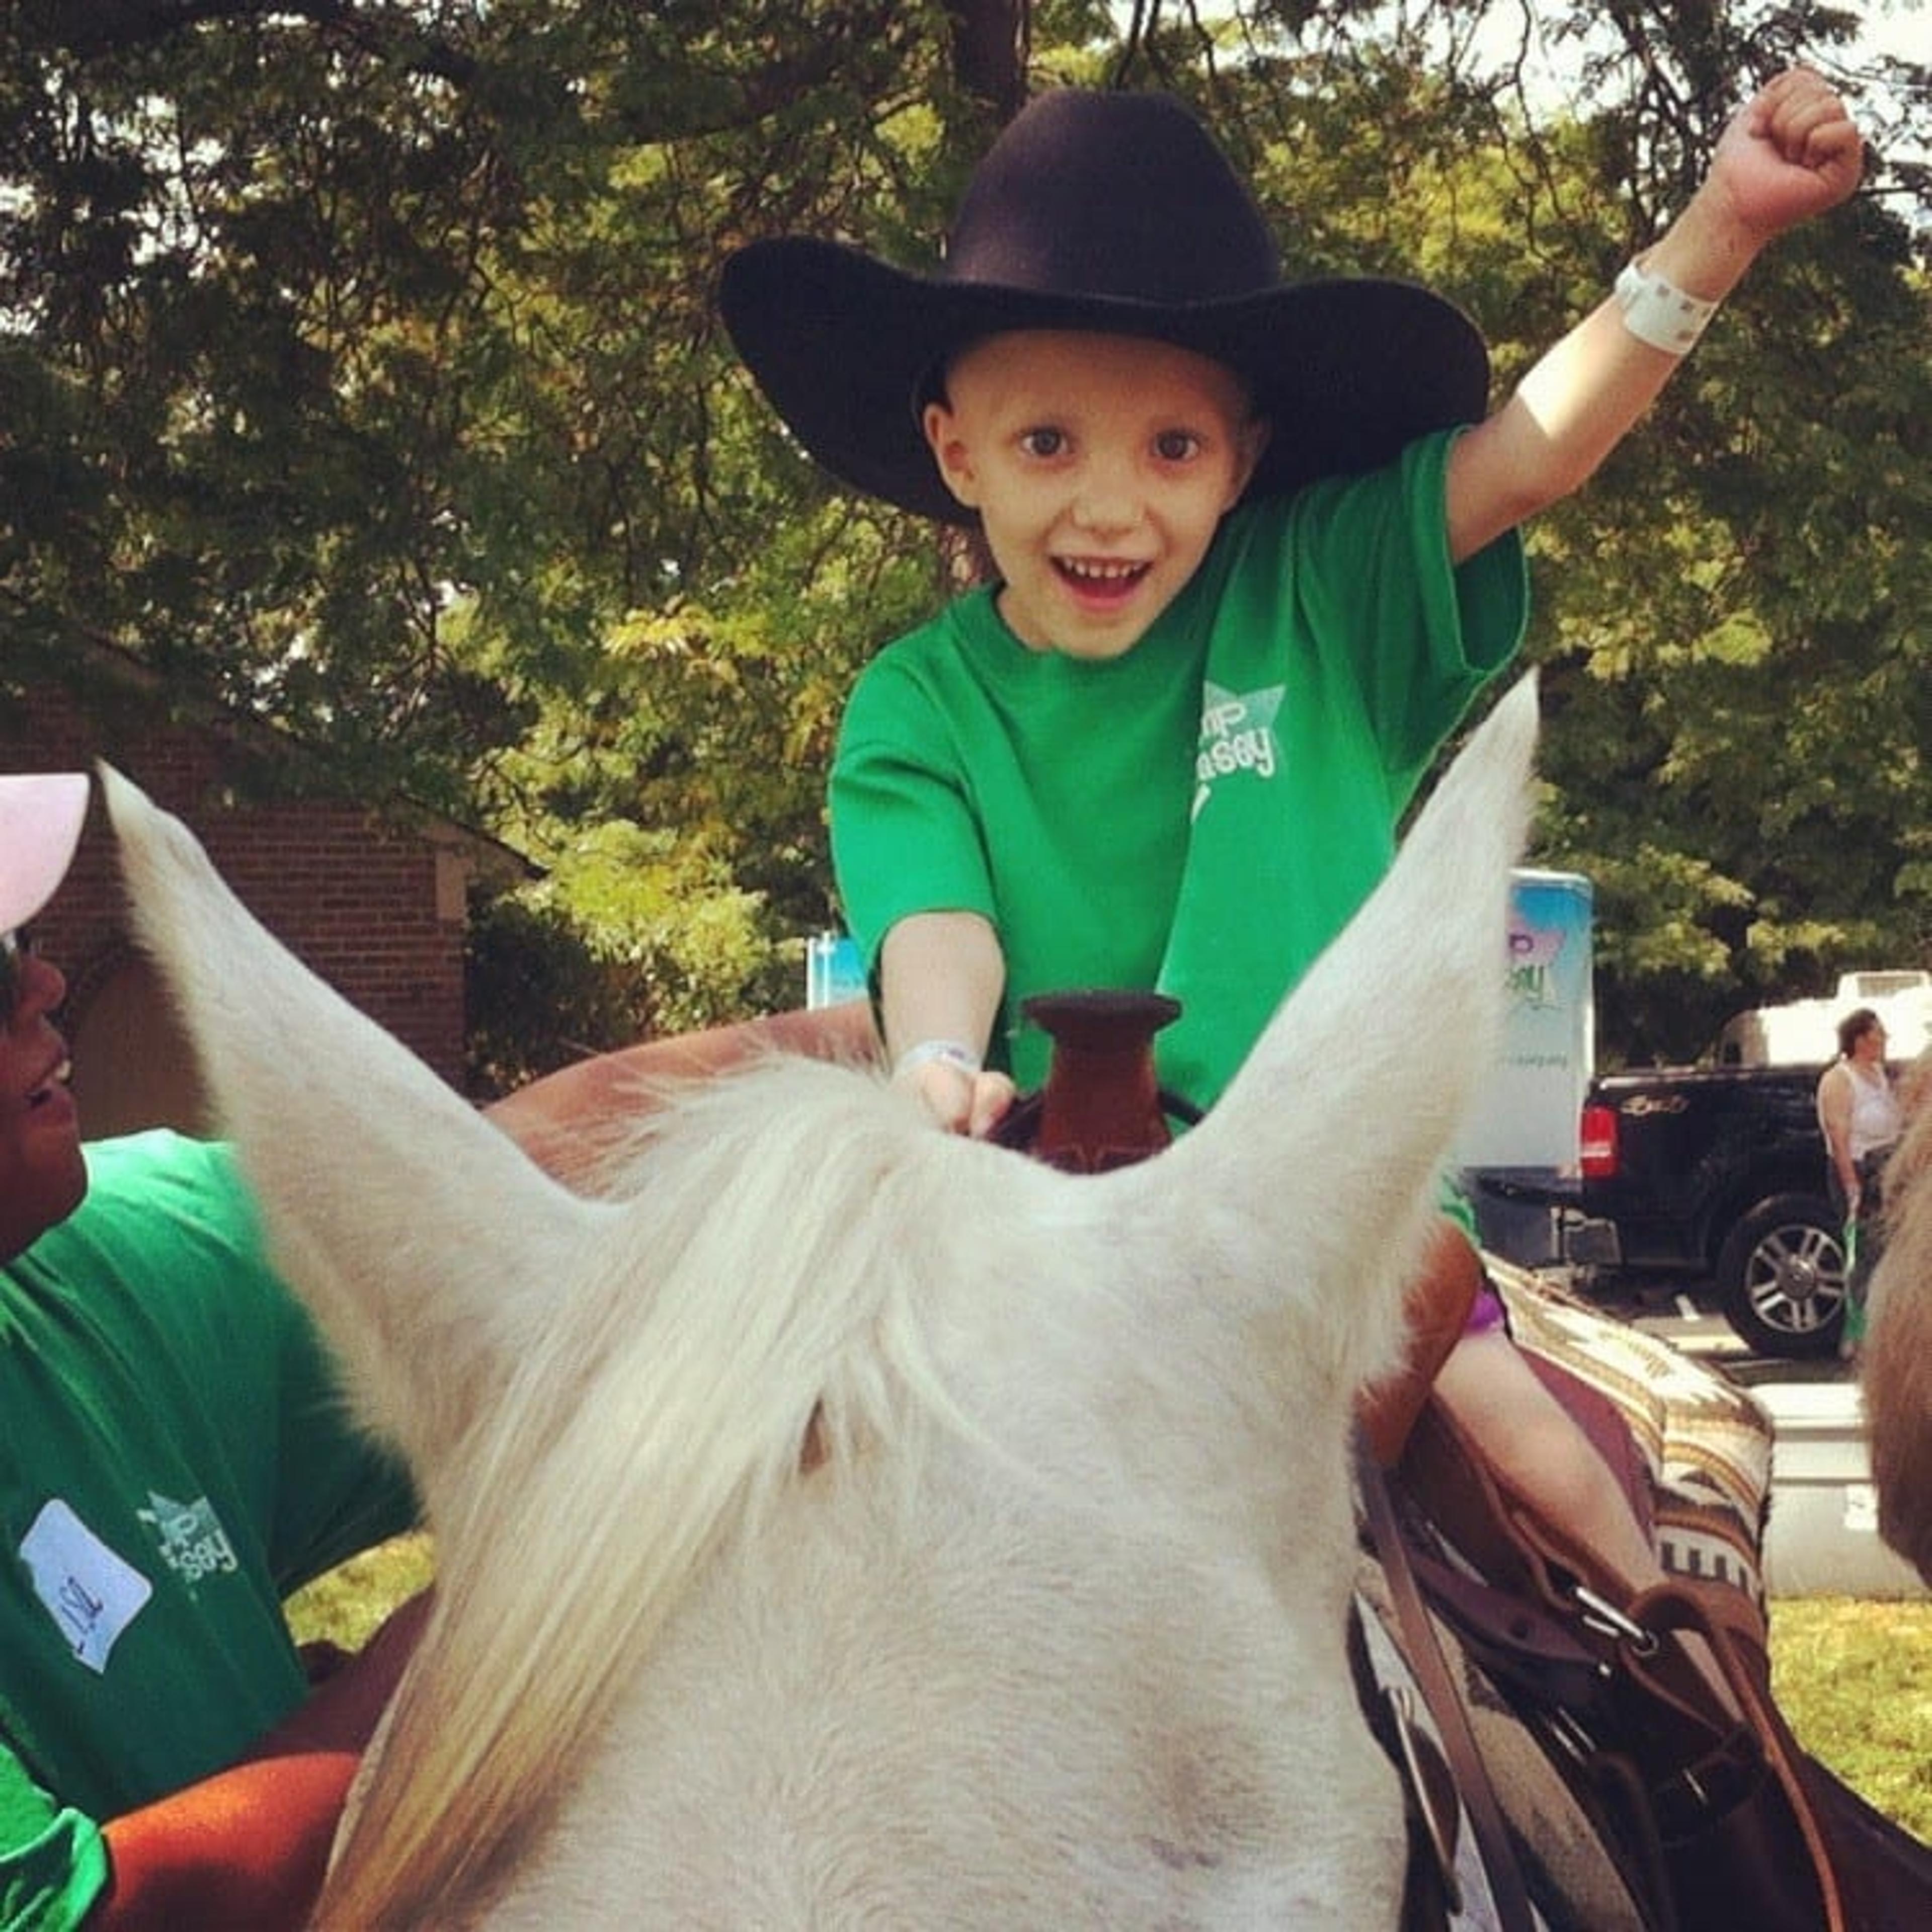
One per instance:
[(1336, 1132), (419, 1234)]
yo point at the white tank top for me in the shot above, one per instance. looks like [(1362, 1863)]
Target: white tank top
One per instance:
[(1876, 1121)]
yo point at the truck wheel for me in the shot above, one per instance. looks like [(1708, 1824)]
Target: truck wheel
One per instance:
[(1781, 1276)]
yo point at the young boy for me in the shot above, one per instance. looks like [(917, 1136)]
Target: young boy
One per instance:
[(1252, 566)]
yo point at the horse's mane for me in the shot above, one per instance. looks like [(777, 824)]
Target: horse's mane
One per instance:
[(757, 1276)]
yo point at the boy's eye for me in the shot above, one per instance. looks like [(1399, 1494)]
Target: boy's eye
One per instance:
[(1176, 445), (1043, 442)]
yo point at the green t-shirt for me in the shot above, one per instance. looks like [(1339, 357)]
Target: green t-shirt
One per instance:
[(174, 1459), (1204, 814)]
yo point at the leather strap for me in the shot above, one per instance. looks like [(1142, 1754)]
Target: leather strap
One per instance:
[(1729, 1628), (1520, 1550), (1423, 1655)]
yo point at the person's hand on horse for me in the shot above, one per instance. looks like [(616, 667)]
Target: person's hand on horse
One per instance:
[(245, 1849), (963, 1101)]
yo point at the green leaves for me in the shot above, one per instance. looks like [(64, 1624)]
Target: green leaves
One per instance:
[(365, 373)]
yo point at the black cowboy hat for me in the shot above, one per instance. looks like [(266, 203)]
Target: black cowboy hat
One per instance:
[(1113, 212)]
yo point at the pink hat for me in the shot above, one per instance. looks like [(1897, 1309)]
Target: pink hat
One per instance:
[(41, 816)]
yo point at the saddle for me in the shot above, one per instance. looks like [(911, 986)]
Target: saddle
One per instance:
[(1564, 1762)]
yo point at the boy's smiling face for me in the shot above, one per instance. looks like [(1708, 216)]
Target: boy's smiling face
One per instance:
[(1101, 467)]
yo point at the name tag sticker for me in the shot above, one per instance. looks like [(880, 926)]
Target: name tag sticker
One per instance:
[(89, 1591)]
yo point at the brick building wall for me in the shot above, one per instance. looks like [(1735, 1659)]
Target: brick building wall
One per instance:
[(376, 911)]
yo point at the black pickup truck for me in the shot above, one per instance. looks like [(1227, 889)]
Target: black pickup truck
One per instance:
[(1716, 1174)]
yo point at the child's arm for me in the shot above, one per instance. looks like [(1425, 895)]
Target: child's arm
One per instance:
[(940, 977), (1791, 153)]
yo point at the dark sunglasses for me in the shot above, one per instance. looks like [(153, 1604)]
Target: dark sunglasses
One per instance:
[(16, 948)]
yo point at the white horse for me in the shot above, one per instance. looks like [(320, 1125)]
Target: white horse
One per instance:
[(1054, 1635)]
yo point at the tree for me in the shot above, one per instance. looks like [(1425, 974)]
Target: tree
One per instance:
[(366, 374), (1736, 640), (360, 366)]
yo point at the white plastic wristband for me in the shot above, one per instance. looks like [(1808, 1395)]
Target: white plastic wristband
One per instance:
[(945, 1052), (1658, 312)]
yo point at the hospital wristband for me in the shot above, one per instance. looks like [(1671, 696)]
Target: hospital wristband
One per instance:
[(1658, 312), (943, 1052)]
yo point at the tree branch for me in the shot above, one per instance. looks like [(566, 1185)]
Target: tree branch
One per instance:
[(85, 27)]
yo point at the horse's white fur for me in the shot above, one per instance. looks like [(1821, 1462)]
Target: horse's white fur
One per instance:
[(1896, 1368), (1056, 1637)]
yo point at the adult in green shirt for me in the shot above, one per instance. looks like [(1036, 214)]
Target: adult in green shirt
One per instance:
[(174, 1459)]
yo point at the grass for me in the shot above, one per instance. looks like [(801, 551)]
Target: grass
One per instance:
[(1853, 1678), (347, 1604)]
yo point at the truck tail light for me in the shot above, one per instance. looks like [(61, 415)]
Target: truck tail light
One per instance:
[(1597, 1143)]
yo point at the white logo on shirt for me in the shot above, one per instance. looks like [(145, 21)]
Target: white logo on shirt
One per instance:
[(194, 1543), (1237, 735), (88, 1591)]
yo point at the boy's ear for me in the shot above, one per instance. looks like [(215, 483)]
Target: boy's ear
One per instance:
[(950, 451), (1255, 434)]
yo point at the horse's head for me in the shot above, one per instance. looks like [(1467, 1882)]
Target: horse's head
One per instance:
[(1085, 1430)]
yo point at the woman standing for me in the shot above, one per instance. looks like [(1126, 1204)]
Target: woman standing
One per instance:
[(1861, 1118)]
